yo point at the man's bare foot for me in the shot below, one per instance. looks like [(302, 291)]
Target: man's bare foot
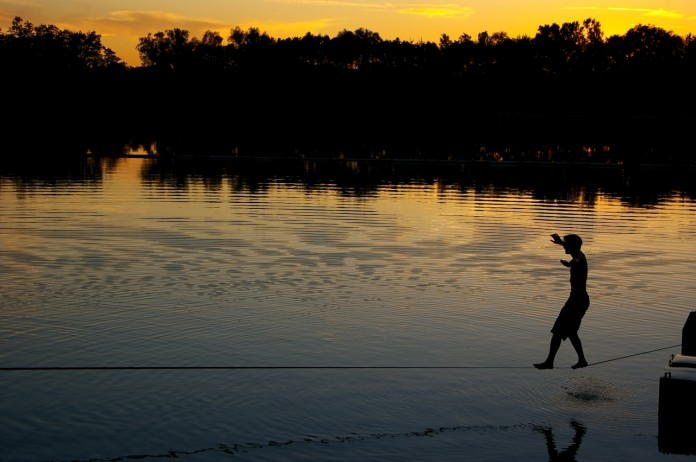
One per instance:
[(544, 365), (579, 364)]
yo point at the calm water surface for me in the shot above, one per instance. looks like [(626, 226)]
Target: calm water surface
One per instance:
[(124, 267)]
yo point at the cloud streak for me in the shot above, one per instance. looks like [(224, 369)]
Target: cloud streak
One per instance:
[(448, 10), (139, 22), (646, 12), (342, 4), (428, 10), (9, 9)]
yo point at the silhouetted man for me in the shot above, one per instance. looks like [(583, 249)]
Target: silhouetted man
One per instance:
[(568, 321)]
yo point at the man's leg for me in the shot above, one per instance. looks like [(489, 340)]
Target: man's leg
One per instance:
[(577, 344), (553, 349)]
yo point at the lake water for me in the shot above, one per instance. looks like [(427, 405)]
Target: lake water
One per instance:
[(129, 264)]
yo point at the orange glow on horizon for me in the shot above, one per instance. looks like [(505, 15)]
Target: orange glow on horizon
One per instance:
[(121, 24)]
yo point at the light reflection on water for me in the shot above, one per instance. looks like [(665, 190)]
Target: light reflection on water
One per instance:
[(134, 268)]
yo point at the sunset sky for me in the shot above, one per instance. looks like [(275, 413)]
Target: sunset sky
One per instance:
[(121, 22)]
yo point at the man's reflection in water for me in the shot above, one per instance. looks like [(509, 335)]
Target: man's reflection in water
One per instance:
[(568, 454)]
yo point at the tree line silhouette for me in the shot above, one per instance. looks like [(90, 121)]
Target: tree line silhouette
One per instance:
[(573, 48), (567, 91), (25, 48)]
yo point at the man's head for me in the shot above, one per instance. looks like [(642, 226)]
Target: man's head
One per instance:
[(572, 243)]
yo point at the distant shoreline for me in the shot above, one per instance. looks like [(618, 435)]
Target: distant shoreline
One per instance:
[(502, 164), (566, 94)]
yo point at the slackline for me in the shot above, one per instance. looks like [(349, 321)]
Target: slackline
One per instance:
[(186, 368)]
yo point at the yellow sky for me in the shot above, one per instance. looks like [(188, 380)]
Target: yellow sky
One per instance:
[(121, 22)]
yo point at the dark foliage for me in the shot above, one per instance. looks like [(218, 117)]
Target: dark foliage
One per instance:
[(568, 93), (25, 48)]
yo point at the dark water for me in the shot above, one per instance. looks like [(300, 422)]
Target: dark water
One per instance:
[(124, 264)]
